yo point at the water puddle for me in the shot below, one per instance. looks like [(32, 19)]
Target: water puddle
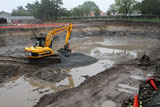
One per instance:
[(126, 91), (25, 92), (149, 75), (126, 86), (108, 103), (136, 77), (21, 93)]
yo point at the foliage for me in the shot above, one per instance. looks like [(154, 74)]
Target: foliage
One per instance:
[(97, 12), (77, 11), (64, 12), (20, 11), (112, 10), (125, 6), (43, 9), (137, 6), (150, 7), (85, 9)]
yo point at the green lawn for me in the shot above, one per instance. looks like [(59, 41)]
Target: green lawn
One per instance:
[(148, 20), (78, 20)]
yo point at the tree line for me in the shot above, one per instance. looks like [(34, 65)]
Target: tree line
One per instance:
[(85, 9), (126, 7), (42, 9), (53, 8)]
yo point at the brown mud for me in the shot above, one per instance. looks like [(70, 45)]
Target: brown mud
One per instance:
[(112, 84), (118, 42)]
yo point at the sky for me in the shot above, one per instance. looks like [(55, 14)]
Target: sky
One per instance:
[(9, 5)]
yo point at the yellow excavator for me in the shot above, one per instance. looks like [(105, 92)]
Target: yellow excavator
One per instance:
[(42, 51)]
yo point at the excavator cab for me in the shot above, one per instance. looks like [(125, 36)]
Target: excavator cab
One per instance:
[(40, 41)]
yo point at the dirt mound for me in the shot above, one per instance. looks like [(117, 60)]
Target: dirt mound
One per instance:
[(50, 75), (12, 66)]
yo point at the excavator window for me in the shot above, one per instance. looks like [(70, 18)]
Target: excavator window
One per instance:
[(37, 43), (40, 41)]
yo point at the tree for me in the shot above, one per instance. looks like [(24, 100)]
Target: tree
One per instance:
[(137, 6), (43, 9), (85, 9), (77, 11), (97, 12), (48, 8), (64, 12), (20, 11), (89, 6), (113, 9), (125, 6), (150, 7)]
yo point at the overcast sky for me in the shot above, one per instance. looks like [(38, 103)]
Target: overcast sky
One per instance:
[(9, 5)]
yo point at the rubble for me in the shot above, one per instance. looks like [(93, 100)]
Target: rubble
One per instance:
[(149, 90)]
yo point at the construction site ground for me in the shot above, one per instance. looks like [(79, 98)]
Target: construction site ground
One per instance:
[(102, 71)]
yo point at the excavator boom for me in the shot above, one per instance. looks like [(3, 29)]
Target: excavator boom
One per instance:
[(55, 31)]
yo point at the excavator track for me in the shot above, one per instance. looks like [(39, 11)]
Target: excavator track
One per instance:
[(13, 60), (45, 60), (24, 61)]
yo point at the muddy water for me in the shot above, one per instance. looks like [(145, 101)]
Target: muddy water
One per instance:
[(21, 91), (108, 104)]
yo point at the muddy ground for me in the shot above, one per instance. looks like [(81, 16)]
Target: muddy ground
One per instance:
[(102, 87), (10, 67), (114, 84)]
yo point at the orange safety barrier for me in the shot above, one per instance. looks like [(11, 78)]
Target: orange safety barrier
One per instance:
[(34, 25)]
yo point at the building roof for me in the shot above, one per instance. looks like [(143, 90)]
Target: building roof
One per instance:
[(10, 17), (4, 14)]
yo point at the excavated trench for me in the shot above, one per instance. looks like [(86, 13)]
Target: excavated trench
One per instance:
[(102, 71)]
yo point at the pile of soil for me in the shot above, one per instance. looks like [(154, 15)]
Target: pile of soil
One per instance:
[(48, 74), (12, 66)]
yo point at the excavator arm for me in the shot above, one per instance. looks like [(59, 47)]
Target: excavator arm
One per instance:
[(55, 31)]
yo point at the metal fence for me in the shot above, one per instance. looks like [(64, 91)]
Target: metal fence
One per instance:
[(120, 17), (112, 17)]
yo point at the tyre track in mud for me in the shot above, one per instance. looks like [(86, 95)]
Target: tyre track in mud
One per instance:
[(13, 60)]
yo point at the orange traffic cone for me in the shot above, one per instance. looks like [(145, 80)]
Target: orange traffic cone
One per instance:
[(151, 81), (136, 101)]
